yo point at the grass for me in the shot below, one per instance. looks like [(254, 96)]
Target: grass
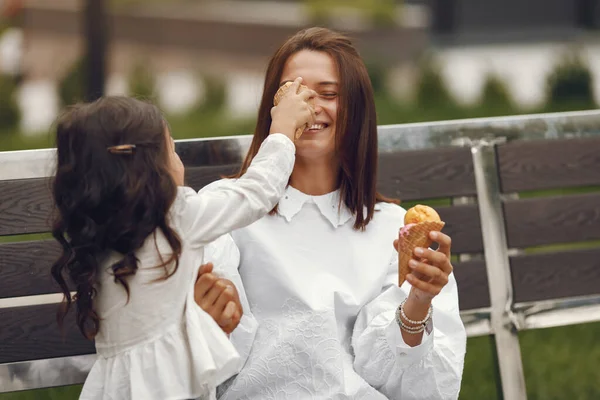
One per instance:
[(25, 238), (58, 393), (559, 363)]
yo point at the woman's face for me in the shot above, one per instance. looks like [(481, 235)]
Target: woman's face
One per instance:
[(319, 73)]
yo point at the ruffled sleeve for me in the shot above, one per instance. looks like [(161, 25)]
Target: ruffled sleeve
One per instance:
[(225, 256)]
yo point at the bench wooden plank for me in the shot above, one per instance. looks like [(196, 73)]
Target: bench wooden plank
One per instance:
[(427, 174), (25, 268), (25, 206), (549, 164), (556, 275), (549, 220), (471, 278), (32, 333), (463, 225), (213, 152)]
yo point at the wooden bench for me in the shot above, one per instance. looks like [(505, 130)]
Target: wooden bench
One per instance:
[(459, 167)]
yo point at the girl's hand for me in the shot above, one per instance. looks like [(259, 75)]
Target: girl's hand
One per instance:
[(219, 298), (293, 111)]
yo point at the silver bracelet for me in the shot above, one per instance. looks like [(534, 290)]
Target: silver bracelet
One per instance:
[(420, 325)]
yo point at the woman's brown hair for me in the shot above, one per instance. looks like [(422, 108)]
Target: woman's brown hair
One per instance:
[(356, 133), (112, 190)]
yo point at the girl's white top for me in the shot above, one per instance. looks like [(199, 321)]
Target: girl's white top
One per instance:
[(324, 296), (160, 344)]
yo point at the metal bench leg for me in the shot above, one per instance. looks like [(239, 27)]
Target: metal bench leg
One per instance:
[(503, 321)]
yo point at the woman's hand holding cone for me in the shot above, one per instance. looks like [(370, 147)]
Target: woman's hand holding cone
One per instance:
[(430, 268)]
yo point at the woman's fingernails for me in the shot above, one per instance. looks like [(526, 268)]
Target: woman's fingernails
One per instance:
[(434, 235), (419, 251), (412, 264)]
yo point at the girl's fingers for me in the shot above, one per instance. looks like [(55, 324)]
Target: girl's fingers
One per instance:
[(296, 85), (307, 94), (226, 317), (224, 298), (204, 269), (203, 285), (213, 294)]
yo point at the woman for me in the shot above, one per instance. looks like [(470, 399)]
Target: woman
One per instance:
[(320, 272)]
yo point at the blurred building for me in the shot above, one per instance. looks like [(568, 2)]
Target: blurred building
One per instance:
[(179, 41), (232, 39)]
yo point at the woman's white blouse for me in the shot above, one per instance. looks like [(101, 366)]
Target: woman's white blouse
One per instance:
[(159, 344), (324, 296)]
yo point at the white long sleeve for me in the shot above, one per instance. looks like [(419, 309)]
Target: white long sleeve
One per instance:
[(235, 203)]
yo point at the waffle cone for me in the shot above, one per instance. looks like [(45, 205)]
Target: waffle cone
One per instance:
[(417, 236), (279, 95)]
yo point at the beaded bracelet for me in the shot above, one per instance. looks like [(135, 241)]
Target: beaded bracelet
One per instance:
[(420, 325)]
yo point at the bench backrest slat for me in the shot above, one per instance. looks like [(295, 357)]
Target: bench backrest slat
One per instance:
[(463, 225), (31, 333), (549, 164), (25, 268), (550, 220), (427, 174), (471, 278), (25, 206), (556, 275)]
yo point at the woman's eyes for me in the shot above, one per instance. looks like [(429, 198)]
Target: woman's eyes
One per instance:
[(329, 95)]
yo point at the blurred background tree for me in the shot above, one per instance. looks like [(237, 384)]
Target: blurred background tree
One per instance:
[(10, 113), (570, 85), (142, 81), (71, 88), (378, 12)]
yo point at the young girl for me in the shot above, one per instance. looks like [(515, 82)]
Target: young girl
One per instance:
[(132, 238)]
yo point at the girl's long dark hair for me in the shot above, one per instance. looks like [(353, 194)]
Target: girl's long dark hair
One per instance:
[(109, 201)]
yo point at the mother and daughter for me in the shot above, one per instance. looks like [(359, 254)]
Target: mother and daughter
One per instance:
[(303, 301)]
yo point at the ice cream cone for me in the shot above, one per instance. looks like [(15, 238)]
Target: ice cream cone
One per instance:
[(415, 235), (280, 93)]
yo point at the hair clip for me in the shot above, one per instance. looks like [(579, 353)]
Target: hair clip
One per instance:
[(121, 149)]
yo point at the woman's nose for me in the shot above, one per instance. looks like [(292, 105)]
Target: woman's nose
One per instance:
[(317, 105)]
